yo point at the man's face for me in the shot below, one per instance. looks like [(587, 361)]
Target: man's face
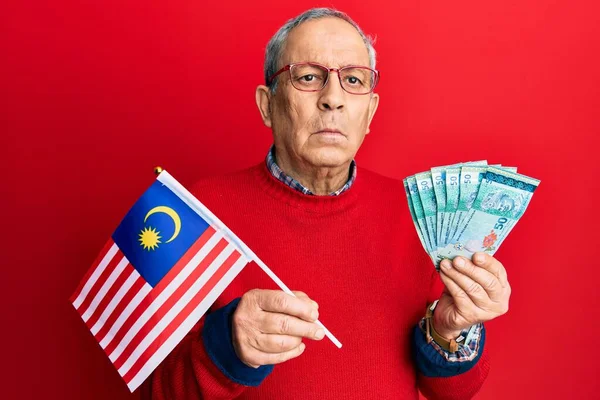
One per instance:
[(302, 121)]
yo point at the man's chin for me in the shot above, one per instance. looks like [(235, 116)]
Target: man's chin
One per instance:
[(330, 157)]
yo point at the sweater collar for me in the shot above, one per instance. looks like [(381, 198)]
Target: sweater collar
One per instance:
[(313, 204), (278, 173)]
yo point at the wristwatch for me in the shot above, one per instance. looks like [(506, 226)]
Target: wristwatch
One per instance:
[(431, 334)]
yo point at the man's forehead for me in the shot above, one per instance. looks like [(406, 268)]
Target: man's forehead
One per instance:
[(329, 41)]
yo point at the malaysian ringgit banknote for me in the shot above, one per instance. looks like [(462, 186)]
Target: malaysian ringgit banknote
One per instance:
[(424, 199), (453, 185), (419, 219), (501, 201), (452, 195), (470, 179), (427, 196), (438, 177), (464, 208), (411, 208)]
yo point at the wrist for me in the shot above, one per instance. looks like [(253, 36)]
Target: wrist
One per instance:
[(449, 344), (446, 333), (218, 343)]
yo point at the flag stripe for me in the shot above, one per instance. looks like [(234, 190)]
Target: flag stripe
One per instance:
[(185, 320), (181, 300), (115, 298), (124, 316), (94, 273), (110, 267), (162, 304), (109, 295), (120, 308), (131, 314), (112, 278)]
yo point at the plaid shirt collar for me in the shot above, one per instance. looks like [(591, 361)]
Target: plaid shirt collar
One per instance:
[(294, 184)]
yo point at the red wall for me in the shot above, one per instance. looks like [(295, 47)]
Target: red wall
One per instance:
[(94, 95)]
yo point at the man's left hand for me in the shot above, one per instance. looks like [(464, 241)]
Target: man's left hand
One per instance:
[(476, 291)]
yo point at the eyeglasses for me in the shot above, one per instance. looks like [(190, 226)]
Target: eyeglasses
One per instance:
[(312, 77)]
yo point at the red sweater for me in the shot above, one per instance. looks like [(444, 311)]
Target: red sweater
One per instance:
[(358, 256)]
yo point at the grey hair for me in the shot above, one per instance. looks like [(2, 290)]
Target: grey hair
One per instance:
[(277, 42)]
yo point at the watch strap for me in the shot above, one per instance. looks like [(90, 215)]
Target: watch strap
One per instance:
[(431, 334)]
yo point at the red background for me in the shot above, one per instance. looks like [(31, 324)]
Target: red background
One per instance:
[(94, 95)]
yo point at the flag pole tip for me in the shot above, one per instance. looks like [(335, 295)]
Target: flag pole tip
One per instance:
[(158, 169)]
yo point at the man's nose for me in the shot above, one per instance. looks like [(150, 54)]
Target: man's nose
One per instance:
[(332, 95)]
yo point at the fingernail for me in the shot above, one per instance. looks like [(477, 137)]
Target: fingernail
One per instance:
[(302, 347), (479, 258), (319, 334), (446, 264), (459, 262), (315, 304)]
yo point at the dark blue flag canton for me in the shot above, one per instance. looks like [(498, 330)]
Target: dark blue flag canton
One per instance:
[(157, 232)]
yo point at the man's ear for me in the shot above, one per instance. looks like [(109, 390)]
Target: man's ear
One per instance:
[(373, 104), (263, 101)]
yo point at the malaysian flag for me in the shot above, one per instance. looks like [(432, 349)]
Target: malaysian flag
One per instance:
[(164, 266)]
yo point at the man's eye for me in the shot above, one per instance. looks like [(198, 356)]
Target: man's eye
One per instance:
[(307, 78), (353, 80)]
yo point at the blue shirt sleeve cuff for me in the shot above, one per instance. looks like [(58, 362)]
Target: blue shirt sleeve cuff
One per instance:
[(431, 363), (217, 339)]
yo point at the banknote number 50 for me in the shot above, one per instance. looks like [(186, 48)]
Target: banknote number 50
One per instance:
[(500, 223), (467, 178)]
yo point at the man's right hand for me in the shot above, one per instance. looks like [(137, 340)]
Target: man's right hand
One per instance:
[(268, 326)]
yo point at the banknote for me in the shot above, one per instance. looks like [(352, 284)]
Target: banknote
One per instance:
[(501, 201), (411, 208), (469, 181), (427, 195), (413, 192), (471, 175), (438, 177), (452, 197)]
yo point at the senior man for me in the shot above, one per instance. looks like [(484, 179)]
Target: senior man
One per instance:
[(344, 237)]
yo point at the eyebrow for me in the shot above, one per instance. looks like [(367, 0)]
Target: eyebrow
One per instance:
[(340, 65)]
